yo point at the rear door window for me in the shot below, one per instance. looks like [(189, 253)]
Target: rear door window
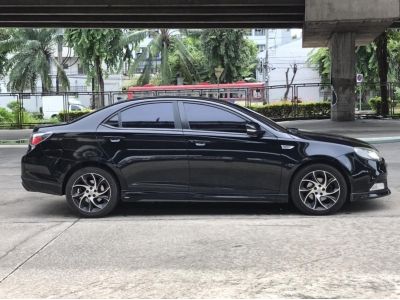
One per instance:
[(152, 115)]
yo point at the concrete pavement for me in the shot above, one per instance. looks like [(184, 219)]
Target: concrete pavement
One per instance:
[(198, 250)]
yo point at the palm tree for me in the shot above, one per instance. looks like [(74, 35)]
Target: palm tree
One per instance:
[(31, 52), (100, 52), (163, 42)]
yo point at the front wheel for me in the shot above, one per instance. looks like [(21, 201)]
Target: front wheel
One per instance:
[(319, 190), (92, 192)]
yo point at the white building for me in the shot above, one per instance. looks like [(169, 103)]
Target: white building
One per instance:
[(275, 37), (284, 52)]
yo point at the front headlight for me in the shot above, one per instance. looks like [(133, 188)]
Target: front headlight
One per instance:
[(367, 153)]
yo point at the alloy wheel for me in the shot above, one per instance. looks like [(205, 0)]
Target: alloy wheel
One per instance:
[(91, 192), (319, 190)]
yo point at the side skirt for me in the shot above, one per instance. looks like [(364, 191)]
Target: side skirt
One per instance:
[(128, 196)]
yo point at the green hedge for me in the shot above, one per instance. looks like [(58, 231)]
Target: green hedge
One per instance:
[(14, 112), (376, 104), (288, 110), (6, 116), (72, 115)]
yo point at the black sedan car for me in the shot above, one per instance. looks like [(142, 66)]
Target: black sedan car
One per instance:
[(187, 149)]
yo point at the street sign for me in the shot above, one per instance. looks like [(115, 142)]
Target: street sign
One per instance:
[(218, 72), (360, 78)]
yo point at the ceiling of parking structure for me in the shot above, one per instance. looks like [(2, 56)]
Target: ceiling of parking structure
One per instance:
[(153, 13)]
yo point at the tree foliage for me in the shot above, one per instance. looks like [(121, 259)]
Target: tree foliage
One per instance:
[(320, 59), (366, 63), (230, 49), (95, 48), (190, 54), (167, 46), (394, 54), (28, 54), (197, 57), (4, 35)]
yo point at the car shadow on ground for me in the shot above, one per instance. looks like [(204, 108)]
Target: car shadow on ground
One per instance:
[(203, 209), (190, 209)]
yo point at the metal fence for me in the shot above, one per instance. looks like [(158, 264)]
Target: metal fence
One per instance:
[(303, 92), (19, 110)]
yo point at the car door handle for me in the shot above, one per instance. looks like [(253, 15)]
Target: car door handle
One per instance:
[(115, 139), (199, 143)]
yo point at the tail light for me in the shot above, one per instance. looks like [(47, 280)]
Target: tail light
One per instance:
[(39, 137)]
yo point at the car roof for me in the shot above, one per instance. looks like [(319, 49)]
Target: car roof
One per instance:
[(178, 98)]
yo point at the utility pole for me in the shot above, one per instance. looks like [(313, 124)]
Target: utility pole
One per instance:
[(60, 37), (266, 66), (218, 72)]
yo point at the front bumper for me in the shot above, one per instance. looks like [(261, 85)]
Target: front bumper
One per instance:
[(373, 184), (370, 195), (368, 178)]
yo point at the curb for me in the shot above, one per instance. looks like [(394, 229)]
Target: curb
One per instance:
[(14, 142)]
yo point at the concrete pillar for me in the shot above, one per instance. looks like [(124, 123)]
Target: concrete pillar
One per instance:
[(342, 48)]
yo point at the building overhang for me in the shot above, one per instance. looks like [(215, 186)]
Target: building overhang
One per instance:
[(153, 13)]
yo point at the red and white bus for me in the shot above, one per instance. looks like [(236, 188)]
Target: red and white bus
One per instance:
[(241, 92)]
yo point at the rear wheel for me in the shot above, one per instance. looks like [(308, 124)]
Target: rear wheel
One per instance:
[(92, 192), (319, 190)]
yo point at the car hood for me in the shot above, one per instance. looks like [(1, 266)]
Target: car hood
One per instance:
[(331, 138)]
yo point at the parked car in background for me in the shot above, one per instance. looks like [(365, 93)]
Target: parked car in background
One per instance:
[(53, 105), (181, 149)]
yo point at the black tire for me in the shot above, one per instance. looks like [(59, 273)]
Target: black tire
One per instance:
[(305, 193), (86, 207)]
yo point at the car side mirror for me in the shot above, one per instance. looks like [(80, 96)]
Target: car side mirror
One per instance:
[(293, 130), (254, 130)]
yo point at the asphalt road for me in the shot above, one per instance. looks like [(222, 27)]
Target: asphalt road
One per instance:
[(196, 250)]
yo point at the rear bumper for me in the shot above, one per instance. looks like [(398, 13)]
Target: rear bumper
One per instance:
[(41, 186), (37, 173)]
